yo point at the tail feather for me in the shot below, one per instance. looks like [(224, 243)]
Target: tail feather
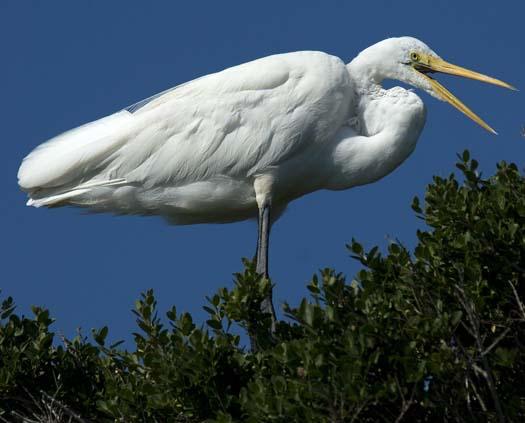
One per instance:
[(74, 156), (60, 197)]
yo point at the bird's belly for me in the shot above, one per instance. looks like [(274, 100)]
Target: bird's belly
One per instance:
[(218, 200)]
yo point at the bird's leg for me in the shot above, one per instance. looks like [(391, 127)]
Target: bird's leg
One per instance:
[(262, 259), (263, 188), (262, 241), (262, 269)]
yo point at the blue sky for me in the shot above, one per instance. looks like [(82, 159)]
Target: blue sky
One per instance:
[(66, 63)]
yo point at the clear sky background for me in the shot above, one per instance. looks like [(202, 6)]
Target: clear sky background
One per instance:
[(65, 63)]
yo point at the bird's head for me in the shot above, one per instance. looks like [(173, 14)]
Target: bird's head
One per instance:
[(409, 60)]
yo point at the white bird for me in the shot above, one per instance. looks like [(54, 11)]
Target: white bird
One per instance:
[(246, 141)]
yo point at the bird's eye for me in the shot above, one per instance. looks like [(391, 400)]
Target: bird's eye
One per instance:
[(414, 57)]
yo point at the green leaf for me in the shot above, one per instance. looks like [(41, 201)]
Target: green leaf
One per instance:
[(214, 324)]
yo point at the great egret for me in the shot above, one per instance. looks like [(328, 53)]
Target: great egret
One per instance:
[(246, 141)]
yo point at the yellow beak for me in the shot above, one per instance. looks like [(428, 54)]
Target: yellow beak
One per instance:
[(429, 64)]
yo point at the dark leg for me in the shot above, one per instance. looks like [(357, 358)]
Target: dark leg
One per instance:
[(262, 241), (262, 259)]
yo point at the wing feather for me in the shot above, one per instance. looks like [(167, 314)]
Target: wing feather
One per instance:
[(238, 122), (73, 155), (235, 123)]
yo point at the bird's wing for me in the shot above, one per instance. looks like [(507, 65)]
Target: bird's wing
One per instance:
[(238, 122)]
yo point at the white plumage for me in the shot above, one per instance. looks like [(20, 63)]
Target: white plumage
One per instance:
[(193, 153), (227, 145)]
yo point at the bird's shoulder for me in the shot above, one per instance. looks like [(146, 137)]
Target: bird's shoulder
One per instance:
[(268, 72), (306, 73)]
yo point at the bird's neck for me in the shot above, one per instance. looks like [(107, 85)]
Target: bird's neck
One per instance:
[(366, 76), (386, 127), (360, 160)]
